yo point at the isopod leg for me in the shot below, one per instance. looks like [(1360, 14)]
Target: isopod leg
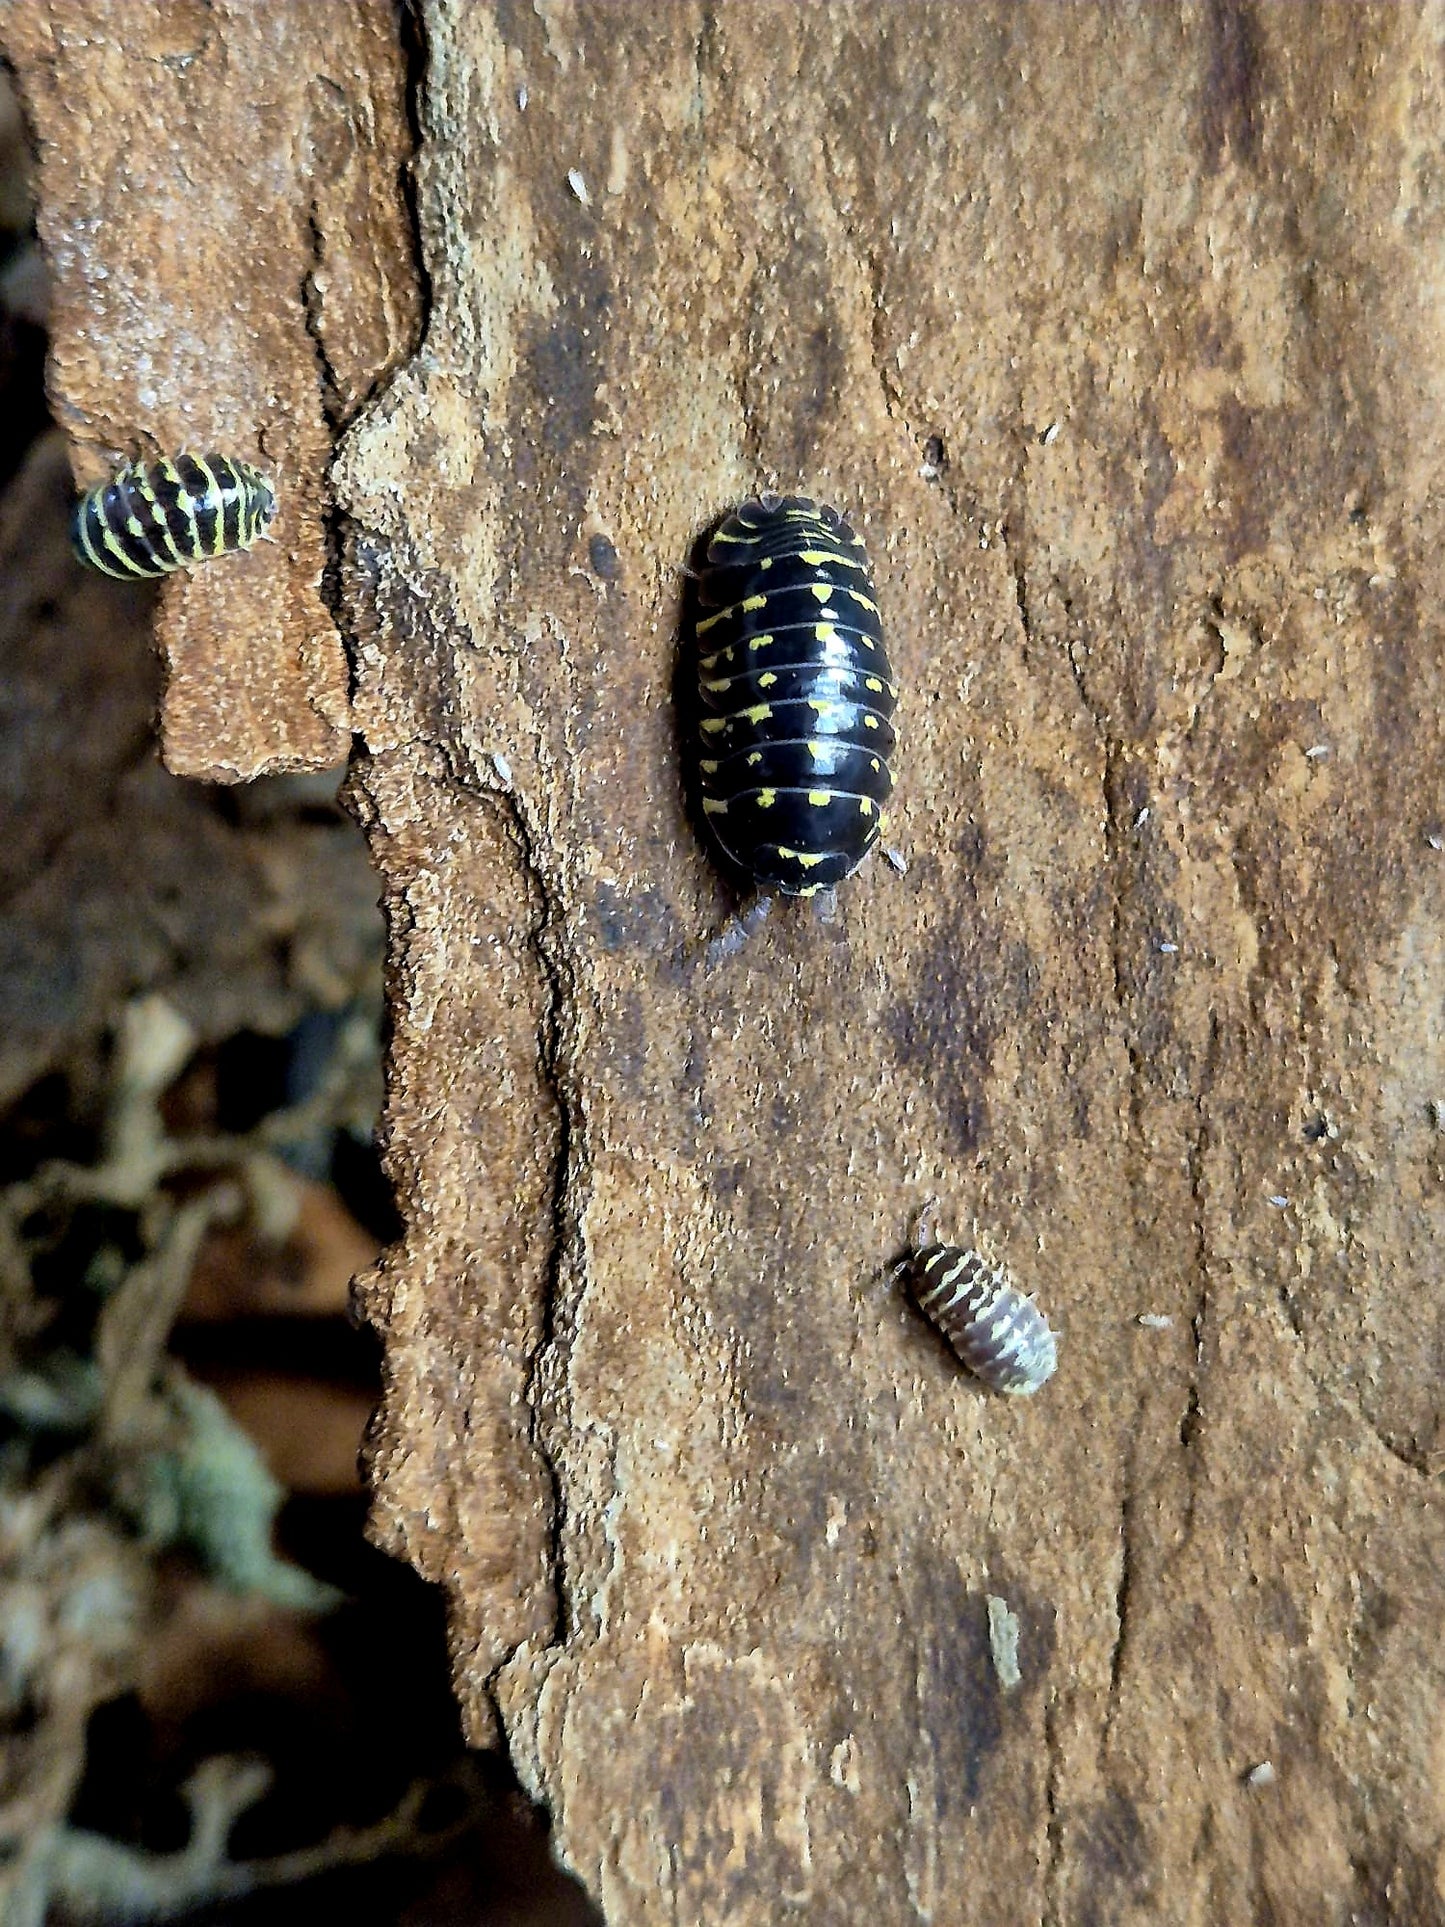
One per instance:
[(738, 928)]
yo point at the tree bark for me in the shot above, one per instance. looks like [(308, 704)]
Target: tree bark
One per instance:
[(1119, 332)]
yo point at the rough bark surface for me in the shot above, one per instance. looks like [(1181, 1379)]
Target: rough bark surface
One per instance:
[(220, 190), (1120, 329)]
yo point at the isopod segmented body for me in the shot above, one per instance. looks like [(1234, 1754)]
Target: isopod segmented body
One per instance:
[(997, 1332), (151, 519), (797, 696)]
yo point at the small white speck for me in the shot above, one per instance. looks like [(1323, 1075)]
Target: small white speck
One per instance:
[(1261, 1775), (502, 767), (1142, 818), (1437, 1113), (1050, 435), (896, 861), (843, 1765), (1280, 1203), (1435, 840), (578, 186), (1169, 949), (522, 98), (1317, 751), (1154, 1321), (927, 472)]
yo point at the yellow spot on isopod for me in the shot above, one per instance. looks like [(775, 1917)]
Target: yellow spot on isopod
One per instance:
[(825, 632), (712, 724), (752, 602), (822, 590), (767, 681), (873, 683), (759, 713), (712, 807), (766, 799), (820, 799), (869, 722), (759, 642), (708, 769), (865, 807)]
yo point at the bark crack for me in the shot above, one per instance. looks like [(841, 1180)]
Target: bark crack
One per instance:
[(332, 520), (1123, 1586), (1054, 1830), (546, 1390), (411, 31)]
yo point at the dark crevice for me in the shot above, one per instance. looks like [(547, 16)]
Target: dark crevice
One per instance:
[(1290, 1307), (338, 413), (1189, 1424), (1190, 1420), (702, 60), (311, 308), (1121, 1613), (1123, 1590), (553, 1063), (412, 33), (1412, 1456), (1054, 1830), (332, 520)]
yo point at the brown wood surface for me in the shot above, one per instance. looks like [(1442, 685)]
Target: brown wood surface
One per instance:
[(221, 204), (1156, 1007)]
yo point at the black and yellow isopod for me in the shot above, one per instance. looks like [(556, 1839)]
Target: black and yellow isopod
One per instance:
[(153, 518), (796, 696)]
